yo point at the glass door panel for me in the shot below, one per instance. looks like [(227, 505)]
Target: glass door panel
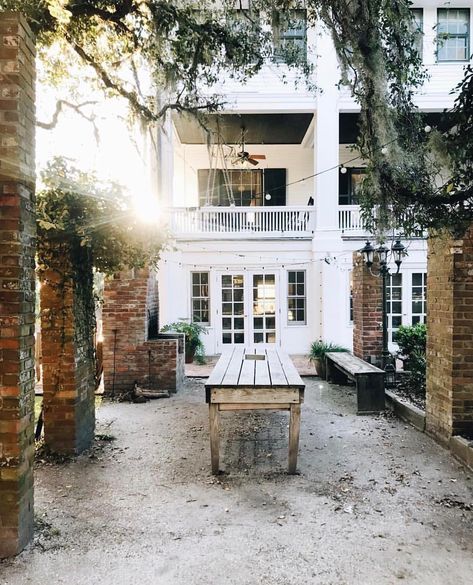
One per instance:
[(264, 308), (233, 321)]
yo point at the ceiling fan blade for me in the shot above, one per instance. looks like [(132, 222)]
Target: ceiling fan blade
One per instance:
[(252, 161), (258, 156)]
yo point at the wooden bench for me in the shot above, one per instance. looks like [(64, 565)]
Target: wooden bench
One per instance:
[(369, 379), (256, 379)]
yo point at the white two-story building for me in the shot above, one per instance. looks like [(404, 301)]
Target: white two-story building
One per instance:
[(262, 248)]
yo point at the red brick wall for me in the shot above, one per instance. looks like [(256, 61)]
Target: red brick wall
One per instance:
[(449, 405), (17, 283), (67, 325), (367, 312), (132, 352)]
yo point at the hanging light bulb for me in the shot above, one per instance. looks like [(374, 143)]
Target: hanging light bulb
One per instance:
[(343, 170), (427, 129), (268, 196), (384, 150)]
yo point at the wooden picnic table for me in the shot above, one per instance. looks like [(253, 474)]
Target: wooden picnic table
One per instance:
[(254, 379)]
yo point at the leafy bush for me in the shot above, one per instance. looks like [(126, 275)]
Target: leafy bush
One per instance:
[(192, 332), (319, 348), (412, 345)]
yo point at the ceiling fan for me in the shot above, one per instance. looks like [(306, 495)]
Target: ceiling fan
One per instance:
[(243, 156)]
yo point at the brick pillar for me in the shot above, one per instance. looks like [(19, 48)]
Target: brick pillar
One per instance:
[(17, 283), (67, 328), (367, 312), (133, 352), (449, 407), (130, 318)]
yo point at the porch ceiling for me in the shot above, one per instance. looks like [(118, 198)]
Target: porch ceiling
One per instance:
[(259, 128)]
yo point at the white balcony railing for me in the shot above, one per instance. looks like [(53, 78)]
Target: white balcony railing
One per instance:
[(349, 219), (247, 222)]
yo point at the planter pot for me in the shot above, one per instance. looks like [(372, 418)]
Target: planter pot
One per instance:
[(320, 367), (190, 353)]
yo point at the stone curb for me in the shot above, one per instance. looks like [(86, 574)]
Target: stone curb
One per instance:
[(462, 449), (408, 412)]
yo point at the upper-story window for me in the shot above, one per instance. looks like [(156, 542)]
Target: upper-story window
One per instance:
[(349, 184), (453, 34), (224, 187), (418, 28), (290, 35)]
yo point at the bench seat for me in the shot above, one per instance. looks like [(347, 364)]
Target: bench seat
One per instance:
[(369, 380)]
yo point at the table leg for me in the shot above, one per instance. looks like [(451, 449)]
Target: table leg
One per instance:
[(294, 431), (214, 437)]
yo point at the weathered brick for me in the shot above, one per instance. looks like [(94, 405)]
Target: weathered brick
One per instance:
[(450, 336), (367, 312), (17, 232)]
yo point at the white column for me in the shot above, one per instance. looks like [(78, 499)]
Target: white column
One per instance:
[(326, 144)]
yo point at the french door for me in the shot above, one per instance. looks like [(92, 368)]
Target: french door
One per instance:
[(249, 308), (406, 301)]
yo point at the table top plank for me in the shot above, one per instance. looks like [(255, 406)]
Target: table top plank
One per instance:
[(262, 377), (292, 375), (276, 372), (218, 373), (247, 373), (355, 365), (234, 368)]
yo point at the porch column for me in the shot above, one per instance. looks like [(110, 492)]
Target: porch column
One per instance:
[(367, 312), (449, 407), (326, 135), (17, 282)]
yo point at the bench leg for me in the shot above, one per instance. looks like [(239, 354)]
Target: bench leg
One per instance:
[(370, 393), (214, 437), (294, 431)]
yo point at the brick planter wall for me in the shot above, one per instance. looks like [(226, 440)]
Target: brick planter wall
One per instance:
[(367, 312), (132, 351), (449, 407), (68, 359), (17, 283)]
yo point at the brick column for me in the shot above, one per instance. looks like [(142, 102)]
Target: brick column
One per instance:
[(17, 283), (367, 312), (132, 349), (449, 407), (67, 327)]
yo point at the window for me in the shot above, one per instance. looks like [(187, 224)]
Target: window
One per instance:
[(418, 28), (200, 297), (394, 304), (296, 297), (349, 185), (419, 297), (242, 187), (453, 34), (289, 34)]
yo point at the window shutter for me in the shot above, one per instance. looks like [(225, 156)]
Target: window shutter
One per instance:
[(275, 185)]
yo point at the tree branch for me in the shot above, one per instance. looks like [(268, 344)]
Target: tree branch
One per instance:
[(60, 104)]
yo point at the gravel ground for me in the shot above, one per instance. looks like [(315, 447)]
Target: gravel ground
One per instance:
[(376, 502)]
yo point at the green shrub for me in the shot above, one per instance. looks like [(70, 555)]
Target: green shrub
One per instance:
[(412, 343), (319, 348), (192, 332)]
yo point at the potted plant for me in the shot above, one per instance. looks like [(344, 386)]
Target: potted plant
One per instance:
[(318, 349), (192, 332)]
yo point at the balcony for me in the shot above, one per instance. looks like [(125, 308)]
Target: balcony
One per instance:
[(297, 222), (349, 220)]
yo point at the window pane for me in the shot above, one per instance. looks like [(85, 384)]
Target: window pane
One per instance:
[(239, 338), (453, 34), (238, 323), (200, 297)]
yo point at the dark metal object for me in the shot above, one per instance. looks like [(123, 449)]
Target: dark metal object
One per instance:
[(397, 251)]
